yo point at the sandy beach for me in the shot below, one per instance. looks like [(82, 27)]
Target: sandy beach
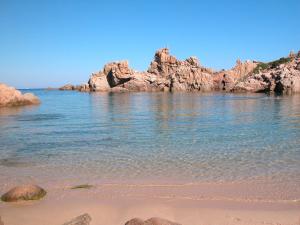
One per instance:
[(114, 204)]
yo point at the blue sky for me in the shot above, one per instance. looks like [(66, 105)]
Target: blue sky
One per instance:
[(50, 43)]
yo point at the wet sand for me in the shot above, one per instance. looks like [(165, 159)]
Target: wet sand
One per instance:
[(190, 204)]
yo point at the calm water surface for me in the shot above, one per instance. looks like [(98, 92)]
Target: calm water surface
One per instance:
[(186, 137)]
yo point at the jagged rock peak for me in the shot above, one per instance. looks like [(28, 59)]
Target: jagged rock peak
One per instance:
[(163, 56)]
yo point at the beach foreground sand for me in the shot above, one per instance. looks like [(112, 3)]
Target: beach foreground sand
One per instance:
[(116, 204)]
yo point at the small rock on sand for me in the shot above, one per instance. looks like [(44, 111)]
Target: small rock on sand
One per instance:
[(24, 193), (151, 221), (84, 219)]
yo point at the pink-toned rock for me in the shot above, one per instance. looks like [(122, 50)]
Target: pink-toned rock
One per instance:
[(98, 82), (225, 80), (117, 73), (185, 75), (283, 78), (151, 221), (119, 90), (1, 222), (167, 73), (24, 193), (135, 221), (9, 96), (67, 87)]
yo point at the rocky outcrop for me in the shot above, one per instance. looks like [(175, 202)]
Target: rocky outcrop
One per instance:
[(167, 73), (24, 193), (151, 221), (70, 87), (176, 75), (67, 87), (225, 80), (9, 96), (280, 76)]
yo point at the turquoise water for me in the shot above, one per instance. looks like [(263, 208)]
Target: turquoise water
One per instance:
[(186, 137)]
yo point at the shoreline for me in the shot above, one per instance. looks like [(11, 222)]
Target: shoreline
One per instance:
[(113, 208)]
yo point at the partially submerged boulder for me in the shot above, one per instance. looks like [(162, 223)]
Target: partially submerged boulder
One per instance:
[(151, 221), (9, 96), (84, 219), (24, 193)]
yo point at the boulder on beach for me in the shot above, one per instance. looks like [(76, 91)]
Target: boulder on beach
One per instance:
[(84, 219), (135, 221), (9, 96), (151, 221), (24, 193)]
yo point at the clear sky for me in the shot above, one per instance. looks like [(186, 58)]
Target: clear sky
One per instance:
[(51, 43)]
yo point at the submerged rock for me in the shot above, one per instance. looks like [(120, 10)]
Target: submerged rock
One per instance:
[(84, 219), (9, 96), (24, 193), (151, 221)]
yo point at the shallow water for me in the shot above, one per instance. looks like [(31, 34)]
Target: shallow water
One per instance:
[(132, 137)]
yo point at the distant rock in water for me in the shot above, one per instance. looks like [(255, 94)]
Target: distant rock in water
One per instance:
[(167, 73), (24, 193), (9, 96), (70, 87), (151, 221)]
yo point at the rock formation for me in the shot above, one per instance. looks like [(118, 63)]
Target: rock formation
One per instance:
[(24, 193), (225, 80), (280, 76), (167, 73), (9, 96)]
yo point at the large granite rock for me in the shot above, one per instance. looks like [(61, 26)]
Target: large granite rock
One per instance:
[(225, 80), (9, 96), (98, 82), (151, 221), (118, 73), (280, 76), (24, 193), (179, 75)]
